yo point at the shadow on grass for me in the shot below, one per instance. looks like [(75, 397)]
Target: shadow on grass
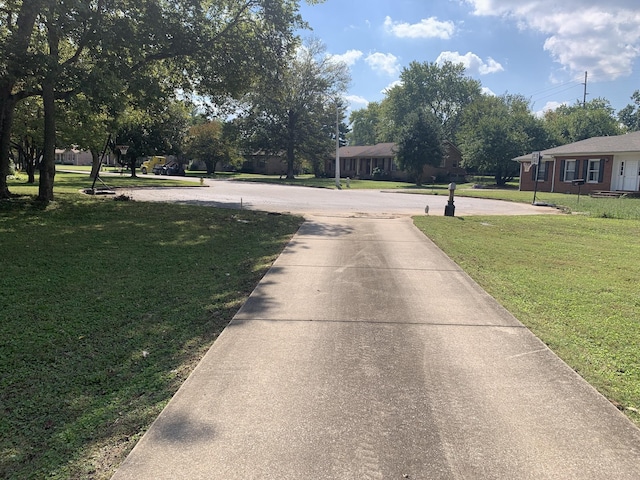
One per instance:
[(107, 307)]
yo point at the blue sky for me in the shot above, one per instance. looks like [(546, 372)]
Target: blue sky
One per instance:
[(540, 49)]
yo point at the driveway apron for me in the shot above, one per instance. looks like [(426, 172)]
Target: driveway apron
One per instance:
[(366, 353)]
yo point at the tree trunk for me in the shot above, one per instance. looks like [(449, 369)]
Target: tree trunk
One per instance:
[(7, 105), (20, 43), (132, 166), (291, 125), (290, 162), (48, 163)]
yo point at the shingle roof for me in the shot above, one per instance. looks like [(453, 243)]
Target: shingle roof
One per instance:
[(627, 143), (377, 150)]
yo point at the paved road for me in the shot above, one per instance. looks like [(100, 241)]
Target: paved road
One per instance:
[(304, 200), (365, 353)]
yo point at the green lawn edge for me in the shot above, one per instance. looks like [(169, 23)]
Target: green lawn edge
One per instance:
[(572, 280)]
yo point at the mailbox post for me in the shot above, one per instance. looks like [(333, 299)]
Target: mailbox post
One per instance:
[(450, 209), (579, 182)]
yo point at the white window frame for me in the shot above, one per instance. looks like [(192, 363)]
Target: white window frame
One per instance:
[(593, 174), (567, 177)]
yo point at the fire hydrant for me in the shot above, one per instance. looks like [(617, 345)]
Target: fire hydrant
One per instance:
[(450, 209)]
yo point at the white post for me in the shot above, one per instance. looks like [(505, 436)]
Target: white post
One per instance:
[(337, 145)]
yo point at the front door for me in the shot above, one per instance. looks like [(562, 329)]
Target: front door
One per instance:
[(629, 173)]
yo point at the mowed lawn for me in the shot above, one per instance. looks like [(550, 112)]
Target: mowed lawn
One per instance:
[(573, 280), (105, 308), (107, 305)]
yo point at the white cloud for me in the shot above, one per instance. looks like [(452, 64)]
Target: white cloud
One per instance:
[(602, 38), (549, 107), (488, 91), (390, 86), (350, 57), (357, 99), (472, 62), (384, 62), (426, 28)]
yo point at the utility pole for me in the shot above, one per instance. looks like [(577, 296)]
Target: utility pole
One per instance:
[(584, 98), (338, 145)]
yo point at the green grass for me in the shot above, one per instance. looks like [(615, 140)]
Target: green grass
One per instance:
[(106, 307), (312, 181), (621, 208), (572, 280), (75, 182)]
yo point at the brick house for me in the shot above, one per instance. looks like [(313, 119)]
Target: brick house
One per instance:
[(363, 161), (264, 163), (603, 163)]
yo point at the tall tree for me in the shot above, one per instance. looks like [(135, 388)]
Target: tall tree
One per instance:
[(365, 125), (291, 111), (26, 137), (497, 129), (217, 47), (84, 123), (212, 142), (152, 132), (440, 89), (629, 116), (17, 24), (420, 143), (571, 123)]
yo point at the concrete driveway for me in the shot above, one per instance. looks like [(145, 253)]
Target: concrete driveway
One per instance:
[(304, 200), (366, 353)]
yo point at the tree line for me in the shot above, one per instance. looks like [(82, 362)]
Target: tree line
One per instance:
[(81, 71), (434, 103), (210, 78)]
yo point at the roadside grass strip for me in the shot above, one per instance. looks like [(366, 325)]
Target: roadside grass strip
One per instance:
[(572, 280)]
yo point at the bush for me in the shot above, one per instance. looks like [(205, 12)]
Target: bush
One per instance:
[(380, 174)]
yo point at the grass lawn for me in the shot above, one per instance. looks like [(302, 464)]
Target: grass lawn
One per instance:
[(572, 280), (106, 307), (312, 181)]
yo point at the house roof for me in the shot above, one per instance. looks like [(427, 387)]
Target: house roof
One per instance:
[(377, 150), (627, 143)]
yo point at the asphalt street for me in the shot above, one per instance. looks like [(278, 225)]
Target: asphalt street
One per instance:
[(304, 200), (366, 353)]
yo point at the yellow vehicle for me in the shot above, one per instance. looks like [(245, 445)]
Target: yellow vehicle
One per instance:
[(148, 165)]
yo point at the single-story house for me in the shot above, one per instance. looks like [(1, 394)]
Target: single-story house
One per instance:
[(264, 163), (364, 161), (596, 164), (73, 156)]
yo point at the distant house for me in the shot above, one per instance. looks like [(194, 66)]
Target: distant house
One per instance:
[(602, 163), (73, 156), (264, 163), (369, 161)]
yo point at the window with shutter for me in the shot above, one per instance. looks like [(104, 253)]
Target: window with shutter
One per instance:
[(542, 171), (569, 172), (593, 171)]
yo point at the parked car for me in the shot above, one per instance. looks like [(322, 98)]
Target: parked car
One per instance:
[(151, 164), (170, 168)]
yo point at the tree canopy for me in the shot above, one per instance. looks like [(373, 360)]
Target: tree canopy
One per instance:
[(571, 123), (629, 116), (420, 143), (295, 110), (440, 89), (213, 143), (105, 49), (495, 130)]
